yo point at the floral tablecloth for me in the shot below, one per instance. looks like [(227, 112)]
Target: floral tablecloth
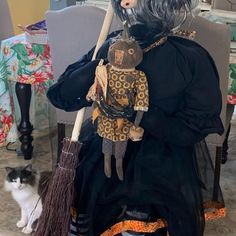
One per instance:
[(232, 80), (25, 63)]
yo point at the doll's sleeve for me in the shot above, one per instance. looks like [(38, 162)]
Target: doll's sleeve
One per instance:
[(141, 102), (199, 113)]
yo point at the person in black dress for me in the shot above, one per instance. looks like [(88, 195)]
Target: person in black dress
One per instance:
[(161, 174)]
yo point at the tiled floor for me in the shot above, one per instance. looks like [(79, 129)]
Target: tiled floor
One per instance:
[(10, 213)]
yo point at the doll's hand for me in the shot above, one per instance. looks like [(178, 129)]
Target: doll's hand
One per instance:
[(91, 95), (136, 133), (101, 77)]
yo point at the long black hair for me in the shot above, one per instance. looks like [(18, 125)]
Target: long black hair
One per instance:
[(159, 16)]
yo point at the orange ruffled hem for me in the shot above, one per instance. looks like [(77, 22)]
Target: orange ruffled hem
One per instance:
[(213, 210)]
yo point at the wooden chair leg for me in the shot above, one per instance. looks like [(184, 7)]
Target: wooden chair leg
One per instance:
[(61, 131), (216, 186), (225, 147)]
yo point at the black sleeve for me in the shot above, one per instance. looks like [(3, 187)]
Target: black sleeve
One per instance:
[(69, 92), (199, 114)]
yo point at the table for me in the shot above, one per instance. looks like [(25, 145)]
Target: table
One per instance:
[(22, 64)]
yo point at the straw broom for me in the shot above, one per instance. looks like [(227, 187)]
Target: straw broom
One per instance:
[(55, 218)]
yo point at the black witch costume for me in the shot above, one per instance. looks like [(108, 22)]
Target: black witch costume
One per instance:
[(167, 175)]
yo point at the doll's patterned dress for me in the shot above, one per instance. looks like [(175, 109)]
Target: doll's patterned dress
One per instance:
[(121, 84)]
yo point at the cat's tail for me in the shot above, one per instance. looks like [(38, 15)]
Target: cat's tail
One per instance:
[(43, 184)]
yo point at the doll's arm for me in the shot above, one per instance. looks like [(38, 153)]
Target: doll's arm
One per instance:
[(100, 83), (136, 132), (141, 105), (138, 118)]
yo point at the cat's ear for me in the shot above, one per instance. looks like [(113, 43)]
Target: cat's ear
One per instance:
[(29, 167), (8, 169)]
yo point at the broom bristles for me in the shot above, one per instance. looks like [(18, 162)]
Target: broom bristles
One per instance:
[(55, 217)]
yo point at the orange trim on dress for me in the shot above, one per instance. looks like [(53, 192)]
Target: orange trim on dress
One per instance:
[(213, 210), (136, 226)]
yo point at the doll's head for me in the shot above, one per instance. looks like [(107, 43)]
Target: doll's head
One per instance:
[(158, 16), (125, 53)]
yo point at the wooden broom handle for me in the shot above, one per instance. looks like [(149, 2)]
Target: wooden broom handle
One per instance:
[(101, 39)]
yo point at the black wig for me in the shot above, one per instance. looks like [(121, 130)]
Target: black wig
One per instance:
[(158, 16)]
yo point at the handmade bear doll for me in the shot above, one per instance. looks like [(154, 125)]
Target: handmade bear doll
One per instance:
[(118, 91)]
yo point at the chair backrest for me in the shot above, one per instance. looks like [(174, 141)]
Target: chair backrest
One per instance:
[(228, 5), (6, 29), (215, 38), (72, 32)]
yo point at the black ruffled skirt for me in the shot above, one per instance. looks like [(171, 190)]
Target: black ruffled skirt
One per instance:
[(172, 185)]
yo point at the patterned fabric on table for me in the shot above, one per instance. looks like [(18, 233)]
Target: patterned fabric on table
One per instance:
[(24, 63), (232, 80)]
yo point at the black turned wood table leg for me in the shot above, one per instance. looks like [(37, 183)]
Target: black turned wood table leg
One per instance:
[(23, 93), (225, 147), (61, 131)]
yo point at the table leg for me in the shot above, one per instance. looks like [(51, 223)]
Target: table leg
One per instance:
[(225, 146), (23, 93), (61, 130)]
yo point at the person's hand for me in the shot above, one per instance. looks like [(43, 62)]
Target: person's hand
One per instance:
[(136, 133)]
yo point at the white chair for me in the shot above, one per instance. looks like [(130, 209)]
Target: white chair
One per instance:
[(226, 5), (6, 29), (215, 38), (72, 32)]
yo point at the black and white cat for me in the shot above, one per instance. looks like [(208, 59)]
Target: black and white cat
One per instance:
[(23, 183)]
